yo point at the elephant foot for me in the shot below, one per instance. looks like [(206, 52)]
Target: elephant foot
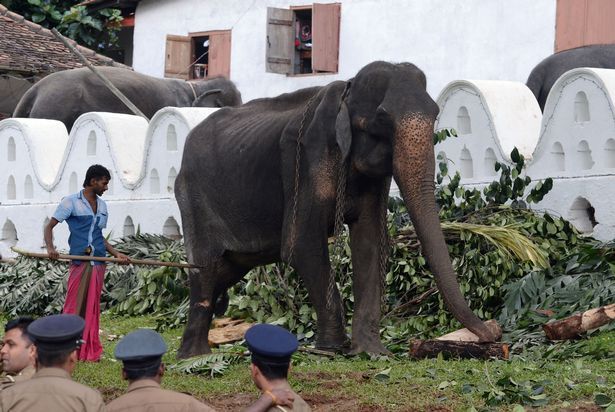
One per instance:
[(190, 350), (370, 347), (338, 344)]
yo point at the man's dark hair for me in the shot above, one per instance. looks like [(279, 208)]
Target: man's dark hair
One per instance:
[(51, 358), (20, 323), (272, 371), (95, 172), (142, 373)]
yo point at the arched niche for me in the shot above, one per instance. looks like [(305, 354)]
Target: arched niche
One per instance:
[(129, 227), (171, 138), (582, 215), (28, 188), (584, 154), (11, 150), (91, 147), (171, 180), (489, 162), (466, 166), (609, 153), (11, 189), (9, 233), (464, 123), (171, 229), (581, 108), (154, 182), (73, 183), (558, 157)]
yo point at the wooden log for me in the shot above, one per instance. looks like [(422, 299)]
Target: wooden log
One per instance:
[(228, 334), (575, 325), (146, 262), (464, 335), (421, 349)]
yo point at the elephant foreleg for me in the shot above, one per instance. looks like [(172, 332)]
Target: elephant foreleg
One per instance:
[(313, 267), (366, 242)]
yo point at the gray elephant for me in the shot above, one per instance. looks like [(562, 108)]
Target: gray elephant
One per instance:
[(67, 94), (264, 183), (546, 73)]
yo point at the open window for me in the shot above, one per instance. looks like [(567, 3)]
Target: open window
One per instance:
[(303, 40), (199, 55)]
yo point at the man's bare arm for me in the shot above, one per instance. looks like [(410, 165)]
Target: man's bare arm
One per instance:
[(48, 236), (116, 254)]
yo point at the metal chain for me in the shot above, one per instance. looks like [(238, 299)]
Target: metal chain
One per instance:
[(384, 247), (338, 245), (293, 226)]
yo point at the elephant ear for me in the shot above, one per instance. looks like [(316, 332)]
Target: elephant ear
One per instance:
[(343, 131)]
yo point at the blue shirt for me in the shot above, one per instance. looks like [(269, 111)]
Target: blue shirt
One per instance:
[(85, 226)]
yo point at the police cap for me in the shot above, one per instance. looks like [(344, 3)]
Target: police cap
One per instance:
[(57, 333), (141, 349), (271, 344)]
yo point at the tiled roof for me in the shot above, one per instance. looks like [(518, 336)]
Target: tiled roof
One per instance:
[(31, 48)]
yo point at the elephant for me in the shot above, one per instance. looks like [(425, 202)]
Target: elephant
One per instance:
[(270, 180), (546, 73), (67, 94)]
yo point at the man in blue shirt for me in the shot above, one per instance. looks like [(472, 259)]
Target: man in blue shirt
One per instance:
[(86, 215)]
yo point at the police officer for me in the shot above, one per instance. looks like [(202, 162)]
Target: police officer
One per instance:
[(57, 340), (18, 353), (272, 348), (141, 353)]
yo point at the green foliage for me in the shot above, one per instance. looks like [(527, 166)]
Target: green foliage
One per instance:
[(212, 364), (94, 29)]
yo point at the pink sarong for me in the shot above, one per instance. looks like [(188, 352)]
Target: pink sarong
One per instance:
[(92, 349)]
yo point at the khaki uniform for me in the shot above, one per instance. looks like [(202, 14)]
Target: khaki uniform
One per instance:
[(299, 405), (50, 390), (147, 395), (7, 381)]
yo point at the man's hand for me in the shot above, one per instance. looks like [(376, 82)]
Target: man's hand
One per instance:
[(282, 397), (53, 253), (125, 260)]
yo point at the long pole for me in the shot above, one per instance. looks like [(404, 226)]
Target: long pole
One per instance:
[(147, 262), (106, 81)]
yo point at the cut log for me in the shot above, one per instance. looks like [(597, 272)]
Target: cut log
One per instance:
[(421, 349), (575, 325), (464, 335), (232, 332), (224, 322)]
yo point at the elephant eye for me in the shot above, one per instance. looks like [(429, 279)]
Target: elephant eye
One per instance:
[(360, 123)]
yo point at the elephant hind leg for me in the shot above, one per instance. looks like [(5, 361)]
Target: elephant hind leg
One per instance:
[(207, 297)]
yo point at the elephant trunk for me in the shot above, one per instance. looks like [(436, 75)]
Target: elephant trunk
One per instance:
[(413, 170)]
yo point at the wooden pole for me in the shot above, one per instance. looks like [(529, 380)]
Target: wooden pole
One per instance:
[(106, 81), (146, 262)]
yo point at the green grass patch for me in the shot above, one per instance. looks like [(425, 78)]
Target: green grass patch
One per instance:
[(394, 384)]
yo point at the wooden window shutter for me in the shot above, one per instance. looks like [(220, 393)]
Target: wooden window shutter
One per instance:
[(583, 22), (280, 36), (325, 37), (220, 54), (177, 57)]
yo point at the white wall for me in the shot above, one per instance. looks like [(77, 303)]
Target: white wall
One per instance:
[(573, 142), (42, 152), (448, 40)]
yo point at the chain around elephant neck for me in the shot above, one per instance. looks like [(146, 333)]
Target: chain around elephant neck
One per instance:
[(384, 246), (293, 226), (338, 228)]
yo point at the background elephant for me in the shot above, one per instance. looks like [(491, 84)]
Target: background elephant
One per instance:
[(544, 75), (260, 183), (67, 94)]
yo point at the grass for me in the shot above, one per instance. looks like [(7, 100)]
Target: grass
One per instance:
[(397, 384)]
